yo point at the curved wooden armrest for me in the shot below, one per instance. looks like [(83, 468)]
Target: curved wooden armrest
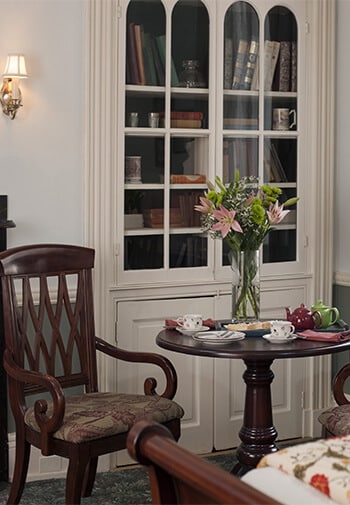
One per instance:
[(150, 383), (46, 424), (338, 384)]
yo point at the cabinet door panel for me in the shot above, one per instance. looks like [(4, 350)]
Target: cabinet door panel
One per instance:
[(138, 324)]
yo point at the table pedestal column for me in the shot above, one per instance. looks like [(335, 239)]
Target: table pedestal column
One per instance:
[(258, 433)]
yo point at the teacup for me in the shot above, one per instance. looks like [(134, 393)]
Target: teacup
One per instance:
[(190, 321), (281, 329)]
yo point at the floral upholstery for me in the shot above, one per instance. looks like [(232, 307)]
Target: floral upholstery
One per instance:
[(336, 420), (324, 464), (96, 415)]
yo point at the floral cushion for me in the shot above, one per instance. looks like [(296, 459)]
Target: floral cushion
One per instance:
[(96, 415), (337, 420), (324, 464)]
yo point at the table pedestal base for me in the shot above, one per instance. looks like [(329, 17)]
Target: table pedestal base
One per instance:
[(258, 433)]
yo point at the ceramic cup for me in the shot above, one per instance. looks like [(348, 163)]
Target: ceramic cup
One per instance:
[(190, 321), (283, 119), (281, 329)]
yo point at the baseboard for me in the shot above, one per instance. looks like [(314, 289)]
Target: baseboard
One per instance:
[(47, 467)]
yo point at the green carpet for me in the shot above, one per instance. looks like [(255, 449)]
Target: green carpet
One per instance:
[(125, 486)]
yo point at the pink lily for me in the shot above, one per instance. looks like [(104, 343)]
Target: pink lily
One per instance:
[(226, 221), (206, 206), (276, 213)]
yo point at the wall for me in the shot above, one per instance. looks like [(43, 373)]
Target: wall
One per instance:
[(41, 150)]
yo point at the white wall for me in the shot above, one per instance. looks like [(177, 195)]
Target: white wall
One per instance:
[(342, 143), (41, 150)]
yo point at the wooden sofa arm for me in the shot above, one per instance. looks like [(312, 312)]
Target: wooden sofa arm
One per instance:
[(150, 383), (179, 477)]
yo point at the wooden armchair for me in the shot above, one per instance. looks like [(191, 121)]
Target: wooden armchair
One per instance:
[(179, 477), (50, 346), (336, 420)]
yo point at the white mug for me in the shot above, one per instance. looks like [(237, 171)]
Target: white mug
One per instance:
[(281, 329), (281, 119), (190, 321)]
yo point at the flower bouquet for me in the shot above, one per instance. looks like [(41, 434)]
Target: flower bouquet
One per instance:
[(242, 214)]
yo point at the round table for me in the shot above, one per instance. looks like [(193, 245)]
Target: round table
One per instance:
[(258, 433)]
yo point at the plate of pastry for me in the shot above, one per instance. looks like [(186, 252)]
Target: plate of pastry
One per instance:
[(256, 328)]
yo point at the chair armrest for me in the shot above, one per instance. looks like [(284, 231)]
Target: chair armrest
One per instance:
[(46, 424), (338, 385), (150, 383)]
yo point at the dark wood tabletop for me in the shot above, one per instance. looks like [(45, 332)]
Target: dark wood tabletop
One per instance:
[(252, 347), (258, 433)]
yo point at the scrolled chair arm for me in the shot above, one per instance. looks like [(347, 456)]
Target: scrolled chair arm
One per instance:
[(150, 383), (47, 425), (338, 385)]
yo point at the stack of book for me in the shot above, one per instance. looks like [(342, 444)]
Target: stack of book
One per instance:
[(187, 179), (184, 119), (154, 218), (145, 62)]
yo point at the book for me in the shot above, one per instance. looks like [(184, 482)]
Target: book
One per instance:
[(132, 56), (187, 179), (250, 64), (241, 56), (161, 47), (240, 123), (283, 67), (150, 69), (140, 63), (293, 66), (185, 123), (160, 71), (271, 52), (228, 57), (184, 114), (255, 79)]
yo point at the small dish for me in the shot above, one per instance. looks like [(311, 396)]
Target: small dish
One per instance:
[(276, 340), (219, 337), (191, 332)]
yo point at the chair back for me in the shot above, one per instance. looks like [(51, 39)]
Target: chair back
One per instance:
[(47, 289)]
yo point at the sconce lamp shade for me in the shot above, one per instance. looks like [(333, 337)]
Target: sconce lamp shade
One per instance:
[(15, 67)]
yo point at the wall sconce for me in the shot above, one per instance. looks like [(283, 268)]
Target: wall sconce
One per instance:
[(10, 94)]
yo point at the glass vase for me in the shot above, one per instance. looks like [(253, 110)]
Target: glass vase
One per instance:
[(191, 76), (245, 267)]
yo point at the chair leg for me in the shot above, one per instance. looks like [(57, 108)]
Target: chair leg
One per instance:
[(89, 477), (20, 470), (78, 463)]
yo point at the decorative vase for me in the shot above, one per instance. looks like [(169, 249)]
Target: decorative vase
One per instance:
[(245, 285), (191, 76)]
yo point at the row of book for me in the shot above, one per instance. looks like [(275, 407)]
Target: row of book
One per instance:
[(241, 70), (241, 154), (145, 61), (181, 213)]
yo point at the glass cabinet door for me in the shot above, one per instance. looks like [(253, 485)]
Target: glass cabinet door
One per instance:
[(259, 123), (280, 148), (166, 134)]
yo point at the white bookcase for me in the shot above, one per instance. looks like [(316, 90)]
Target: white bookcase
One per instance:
[(167, 262)]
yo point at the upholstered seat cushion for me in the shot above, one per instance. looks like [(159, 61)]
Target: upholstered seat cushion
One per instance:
[(324, 464), (96, 415), (336, 420)]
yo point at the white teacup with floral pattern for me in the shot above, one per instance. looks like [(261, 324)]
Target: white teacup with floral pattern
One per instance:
[(281, 329), (190, 321)]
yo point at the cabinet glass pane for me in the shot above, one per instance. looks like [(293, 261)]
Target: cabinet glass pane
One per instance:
[(145, 32), (188, 251), (143, 252), (239, 154), (280, 125), (190, 44)]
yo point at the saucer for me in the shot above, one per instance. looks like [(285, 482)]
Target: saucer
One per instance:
[(219, 337), (276, 340), (191, 332)]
